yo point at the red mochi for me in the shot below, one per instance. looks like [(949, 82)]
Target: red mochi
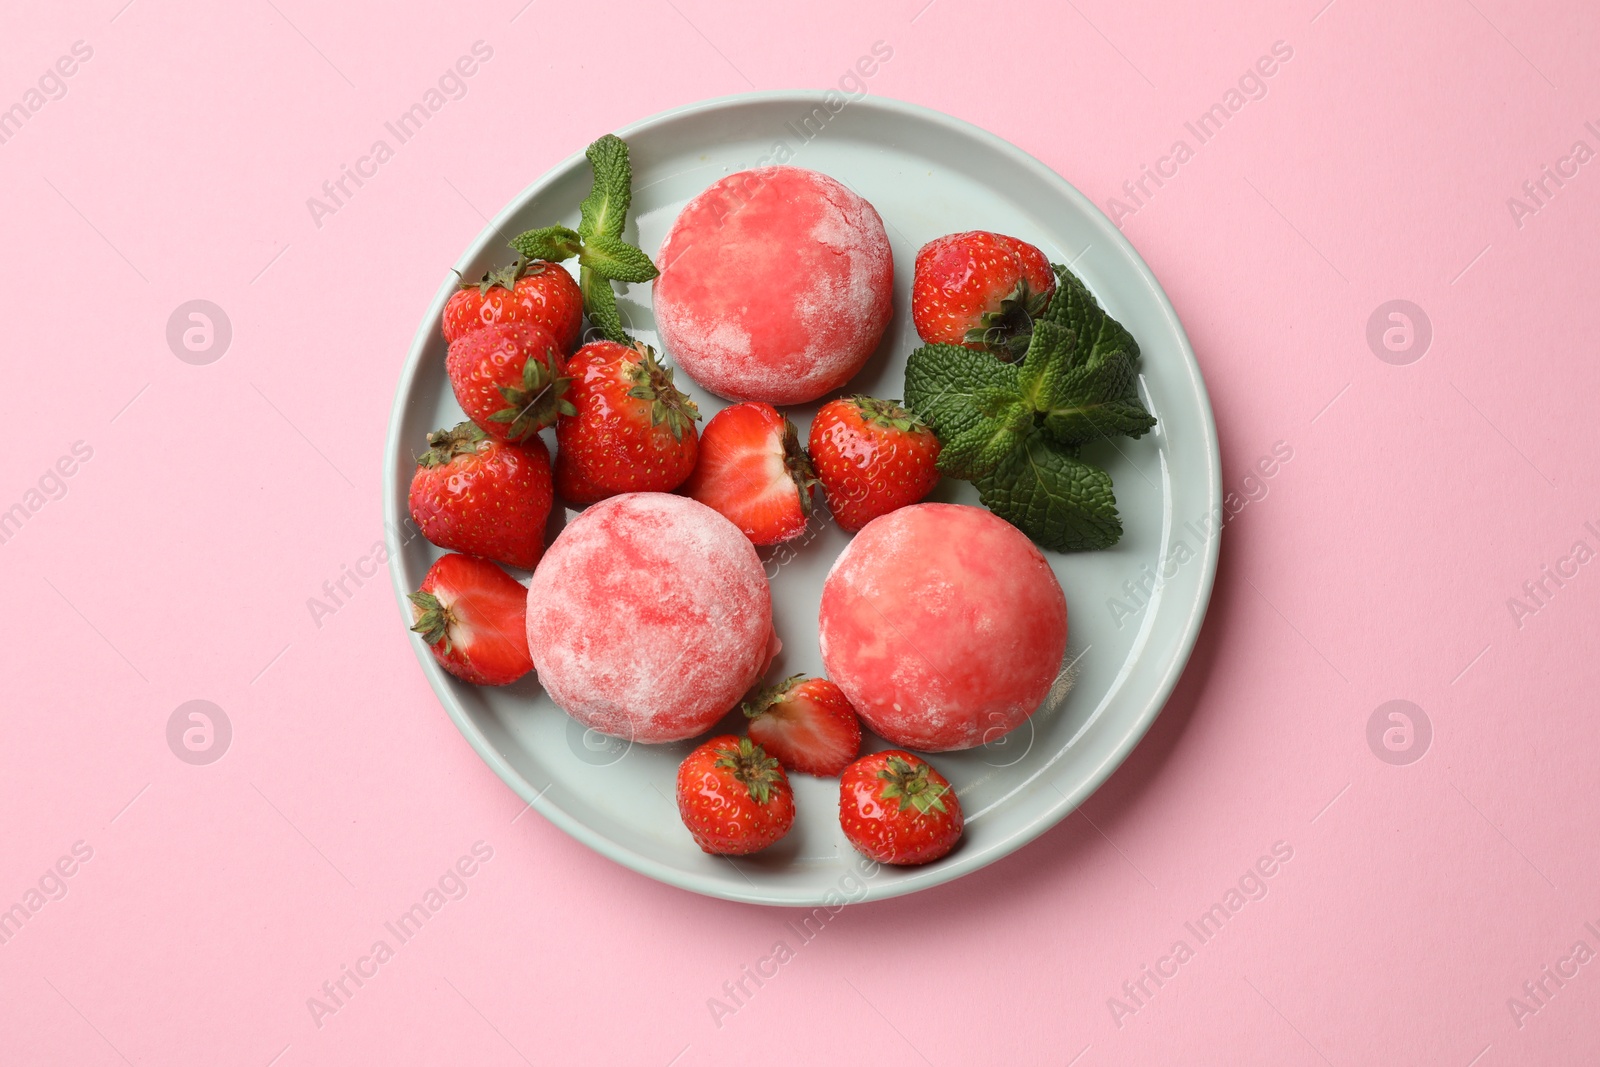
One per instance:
[(944, 626), (776, 284), (649, 617)]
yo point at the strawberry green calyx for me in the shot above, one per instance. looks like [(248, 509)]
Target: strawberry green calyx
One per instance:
[(537, 400), (758, 705), (506, 277), (887, 414), (653, 382), (752, 768), (603, 256), (911, 786), (464, 439), (1006, 332), (798, 464), (433, 619)]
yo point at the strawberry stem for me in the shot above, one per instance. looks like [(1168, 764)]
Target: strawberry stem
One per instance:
[(911, 785), (752, 767)]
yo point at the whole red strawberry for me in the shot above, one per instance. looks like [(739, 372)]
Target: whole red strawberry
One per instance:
[(895, 808), (473, 615), (526, 291), (508, 380), (871, 456), (490, 498), (982, 290), (753, 470), (629, 431), (806, 724), (733, 797)]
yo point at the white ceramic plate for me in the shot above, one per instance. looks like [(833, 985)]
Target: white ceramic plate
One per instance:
[(928, 175)]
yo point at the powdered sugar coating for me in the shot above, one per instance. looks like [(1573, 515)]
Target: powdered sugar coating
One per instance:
[(649, 617), (776, 284), (944, 626)]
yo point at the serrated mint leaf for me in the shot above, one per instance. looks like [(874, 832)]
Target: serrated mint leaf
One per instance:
[(614, 258), (943, 382), (600, 304), (605, 210), (1094, 332), (1098, 400), (553, 243), (1048, 356), (981, 447), (1083, 392), (1061, 502)]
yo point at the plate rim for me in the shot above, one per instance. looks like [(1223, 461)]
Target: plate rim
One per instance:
[(913, 879)]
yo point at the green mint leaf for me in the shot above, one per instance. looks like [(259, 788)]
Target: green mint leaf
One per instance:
[(1094, 332), (600, 304), (977, 450), (1098, 400), (1084, 392), (553, 243), (605, 209), (943, 383), (614, 258), (1063, 503), (1050, 352)]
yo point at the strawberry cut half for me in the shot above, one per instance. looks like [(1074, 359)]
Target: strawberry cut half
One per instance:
[(753, 470), (473, 616), (806, 724)]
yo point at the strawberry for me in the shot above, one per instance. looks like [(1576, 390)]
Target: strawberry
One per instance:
[(753, 470), (630, 430), (872, 456), (733, 797), (982, 290), (473, 616), (526, 291), (895, 808), (491, 498), (806, 724), (508, 380)]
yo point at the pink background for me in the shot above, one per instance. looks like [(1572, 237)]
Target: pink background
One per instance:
[(1377, 566)]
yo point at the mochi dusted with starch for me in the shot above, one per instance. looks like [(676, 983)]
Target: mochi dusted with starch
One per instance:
[(649, 617), (776, 284), (944, 626)]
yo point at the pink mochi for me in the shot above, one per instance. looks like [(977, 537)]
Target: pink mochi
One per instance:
[(649, 617), (776, 284), (943, 625)]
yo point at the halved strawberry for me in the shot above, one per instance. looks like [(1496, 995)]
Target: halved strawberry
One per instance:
[(806, 724), (473, 615), (753, 470)]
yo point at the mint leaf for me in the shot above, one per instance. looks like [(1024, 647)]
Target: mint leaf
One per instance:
[(1055, 498), (971, 402), (612, 257), (605, 209), (1099, 400), (981, 447), (1080, 402), (600, 304), (553, 243), (942, 383), (1094, 332), (1084, 391)]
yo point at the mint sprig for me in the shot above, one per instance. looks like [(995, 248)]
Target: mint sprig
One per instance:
[(1015, 429), (603, 256)]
